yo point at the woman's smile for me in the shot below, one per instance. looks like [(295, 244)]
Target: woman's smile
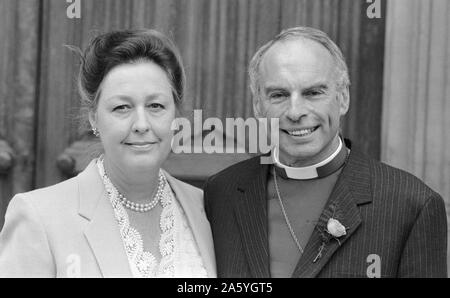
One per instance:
[(140, 146), (136, 109)]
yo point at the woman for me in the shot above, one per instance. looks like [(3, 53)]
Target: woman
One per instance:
[(123, 215)]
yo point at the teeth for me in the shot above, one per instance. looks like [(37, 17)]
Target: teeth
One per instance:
[(301, 132)]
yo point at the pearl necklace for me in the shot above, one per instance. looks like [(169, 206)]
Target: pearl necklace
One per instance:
[(137, 207)]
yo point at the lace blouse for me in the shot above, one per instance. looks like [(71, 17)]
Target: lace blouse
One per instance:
[(177, 246)]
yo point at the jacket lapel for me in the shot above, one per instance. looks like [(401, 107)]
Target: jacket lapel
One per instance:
[(352, 189), (196, 217), (102, 231), (251, 214)]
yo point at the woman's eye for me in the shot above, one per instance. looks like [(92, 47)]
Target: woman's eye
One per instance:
[(121, 108), (156, 106)]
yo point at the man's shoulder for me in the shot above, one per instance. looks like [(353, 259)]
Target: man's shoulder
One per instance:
[(237, 171), (388, 180), (395, 176)]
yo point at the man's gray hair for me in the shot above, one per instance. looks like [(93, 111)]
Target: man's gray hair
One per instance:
[(321, 37)]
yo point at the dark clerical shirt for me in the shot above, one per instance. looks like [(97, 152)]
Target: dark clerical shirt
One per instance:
[(303, 201)]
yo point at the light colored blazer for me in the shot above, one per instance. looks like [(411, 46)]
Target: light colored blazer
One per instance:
[(69, 229)]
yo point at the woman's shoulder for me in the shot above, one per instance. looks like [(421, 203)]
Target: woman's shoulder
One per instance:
[(51, 193), (183, 187), (48, 203), (58, 196)]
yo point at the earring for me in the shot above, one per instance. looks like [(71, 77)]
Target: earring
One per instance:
[(95, 131)]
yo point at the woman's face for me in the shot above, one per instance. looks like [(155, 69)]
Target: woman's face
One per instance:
[(134, 116)]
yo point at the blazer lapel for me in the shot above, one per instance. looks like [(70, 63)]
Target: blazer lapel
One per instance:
[(102, 231), (352, 189), (197, 221), (251, 214)]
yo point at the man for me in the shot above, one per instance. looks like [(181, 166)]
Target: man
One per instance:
[(322, 209)]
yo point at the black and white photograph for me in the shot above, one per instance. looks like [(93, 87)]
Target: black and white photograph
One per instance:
[(218, 141)]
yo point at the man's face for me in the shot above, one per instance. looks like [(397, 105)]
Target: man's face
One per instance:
[(298, 86)]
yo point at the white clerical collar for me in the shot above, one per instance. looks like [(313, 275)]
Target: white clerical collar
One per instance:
[(319, 170)]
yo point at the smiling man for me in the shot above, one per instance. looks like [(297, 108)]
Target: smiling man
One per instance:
[(322, 209)]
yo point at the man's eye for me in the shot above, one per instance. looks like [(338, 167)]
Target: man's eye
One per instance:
[(314, 93), (277, 95)]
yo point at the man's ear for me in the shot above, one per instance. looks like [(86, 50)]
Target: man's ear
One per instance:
[(344, 100), (257, 107)]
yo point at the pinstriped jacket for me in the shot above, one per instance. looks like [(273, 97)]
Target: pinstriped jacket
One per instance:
[(392, 218)]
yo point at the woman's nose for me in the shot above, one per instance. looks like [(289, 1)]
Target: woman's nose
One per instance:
[(141, 122)]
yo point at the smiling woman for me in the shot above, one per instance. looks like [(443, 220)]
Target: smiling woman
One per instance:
[(134, 114), (123, 215)]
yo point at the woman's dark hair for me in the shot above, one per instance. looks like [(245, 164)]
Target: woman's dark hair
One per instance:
[(111, 49)]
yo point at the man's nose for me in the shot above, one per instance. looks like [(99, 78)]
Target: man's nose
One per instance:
[(141, 122), (298, 107)]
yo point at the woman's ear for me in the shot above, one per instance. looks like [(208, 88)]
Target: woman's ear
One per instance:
[(93, 119)]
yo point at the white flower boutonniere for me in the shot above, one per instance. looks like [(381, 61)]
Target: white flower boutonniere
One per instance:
[(335, 228)]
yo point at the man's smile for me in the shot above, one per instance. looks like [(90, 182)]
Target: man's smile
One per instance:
[(301, 132)]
